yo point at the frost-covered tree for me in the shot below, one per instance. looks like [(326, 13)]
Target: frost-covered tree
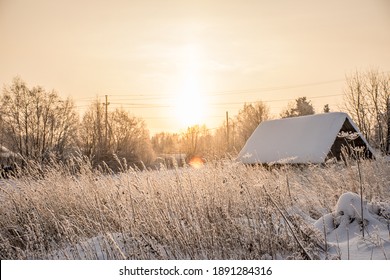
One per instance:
[(248, 118), (37, 123), (367, 100), (127, 137), (166, 143)]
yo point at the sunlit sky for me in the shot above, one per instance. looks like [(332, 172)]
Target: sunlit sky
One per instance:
[(175, 63)]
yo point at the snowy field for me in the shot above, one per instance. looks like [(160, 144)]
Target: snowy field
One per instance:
[(342, 229), (222, 210)]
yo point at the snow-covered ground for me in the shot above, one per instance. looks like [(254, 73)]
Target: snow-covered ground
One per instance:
[(342, 235), (343, 229)]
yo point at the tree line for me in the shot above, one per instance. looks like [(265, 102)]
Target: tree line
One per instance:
[(39, 125)]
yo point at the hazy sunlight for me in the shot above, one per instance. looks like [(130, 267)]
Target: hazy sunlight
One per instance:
[(190, 103)]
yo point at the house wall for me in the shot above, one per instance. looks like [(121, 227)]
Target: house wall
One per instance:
[(343, 146)]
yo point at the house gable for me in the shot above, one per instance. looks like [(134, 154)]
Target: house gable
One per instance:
[(345, 145)]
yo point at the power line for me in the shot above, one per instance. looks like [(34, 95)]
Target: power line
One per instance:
[(154, 105), (265, 89), (166, 95)]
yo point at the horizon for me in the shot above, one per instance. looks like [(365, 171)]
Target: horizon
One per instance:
[(179, 63)]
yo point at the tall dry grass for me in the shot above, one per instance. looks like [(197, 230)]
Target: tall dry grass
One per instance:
[(224, 210)]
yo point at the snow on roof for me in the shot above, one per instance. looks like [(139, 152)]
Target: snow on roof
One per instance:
[(306, 139)]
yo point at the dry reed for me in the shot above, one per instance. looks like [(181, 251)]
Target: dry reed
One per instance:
[(224, 210)]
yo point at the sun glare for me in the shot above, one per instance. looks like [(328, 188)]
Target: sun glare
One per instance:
[(196, 162), (190, 102)]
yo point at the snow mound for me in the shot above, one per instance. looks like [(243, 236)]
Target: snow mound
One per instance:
[(357, 230)]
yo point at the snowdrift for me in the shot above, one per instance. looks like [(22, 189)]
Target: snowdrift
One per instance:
[(343, 229)]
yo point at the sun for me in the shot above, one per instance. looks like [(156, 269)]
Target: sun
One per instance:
[(190, 103)]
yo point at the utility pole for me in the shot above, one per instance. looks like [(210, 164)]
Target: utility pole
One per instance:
[(106, 120), (234, 137), (227, 129)]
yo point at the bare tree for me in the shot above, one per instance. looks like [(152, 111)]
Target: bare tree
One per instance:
[(165, 143), (220, 145), (127, 137), (91, 132), (248, 118), (366, 99), (197, 141), (37, 123), (386, 88), (356, 103), (190, 141)]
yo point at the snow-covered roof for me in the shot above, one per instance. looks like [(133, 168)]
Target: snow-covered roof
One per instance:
[(306, 139)]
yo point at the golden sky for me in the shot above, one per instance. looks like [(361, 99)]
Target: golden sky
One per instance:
[(177, 62)]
